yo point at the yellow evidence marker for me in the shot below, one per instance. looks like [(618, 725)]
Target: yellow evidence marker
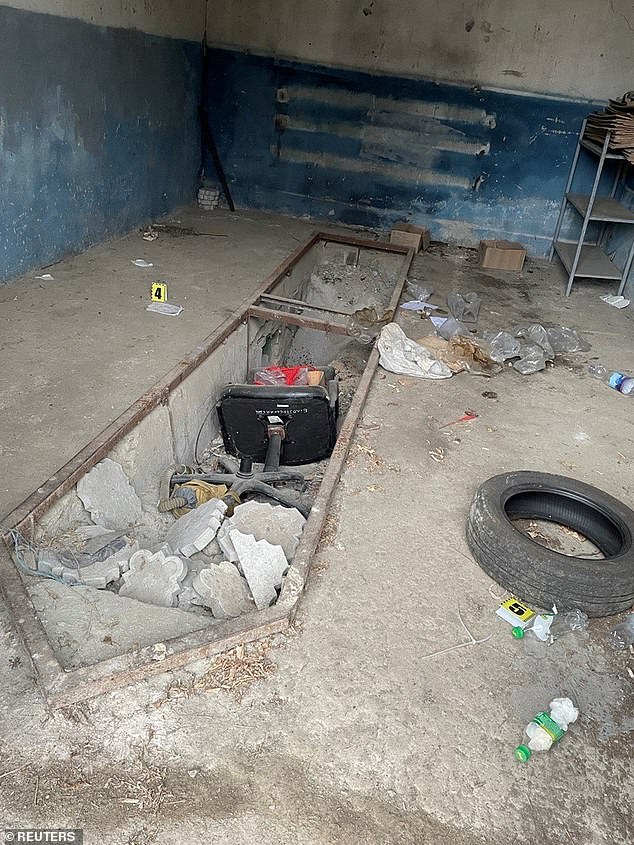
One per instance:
[(159, 292), (515, 612)]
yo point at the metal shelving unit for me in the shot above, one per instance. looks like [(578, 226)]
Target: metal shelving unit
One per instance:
[(589, 260)]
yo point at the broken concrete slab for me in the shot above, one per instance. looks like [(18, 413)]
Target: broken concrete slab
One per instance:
[(109, 497), (89, 625), (98, 574), (154, 578), (263, 566), (195, 530), (276, 524), (223, 590)]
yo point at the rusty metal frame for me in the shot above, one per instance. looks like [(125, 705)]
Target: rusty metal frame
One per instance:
[(62, 686)]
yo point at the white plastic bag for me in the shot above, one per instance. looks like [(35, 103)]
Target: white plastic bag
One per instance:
[(399, 354)]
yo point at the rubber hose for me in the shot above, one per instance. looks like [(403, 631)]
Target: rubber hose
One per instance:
[(165, 503), (172, 504)]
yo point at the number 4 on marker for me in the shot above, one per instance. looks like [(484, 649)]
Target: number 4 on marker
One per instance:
[(159, 292)]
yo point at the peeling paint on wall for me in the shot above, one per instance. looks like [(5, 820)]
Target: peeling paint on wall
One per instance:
[(92, 122), (370, 149)]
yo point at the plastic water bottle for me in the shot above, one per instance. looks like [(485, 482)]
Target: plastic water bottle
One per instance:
[(547, 728), (623, 635), (624, 384), (598, 371), (618, 381), (552, 626)]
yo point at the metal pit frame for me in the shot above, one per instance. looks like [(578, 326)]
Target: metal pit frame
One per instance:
[(61, 687)]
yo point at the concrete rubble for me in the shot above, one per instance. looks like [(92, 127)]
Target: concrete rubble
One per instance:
[(195, 530), (109, 497), (154, 578), (95, 566), (263, 565), (223, 590), (199, 563), (277, 524)]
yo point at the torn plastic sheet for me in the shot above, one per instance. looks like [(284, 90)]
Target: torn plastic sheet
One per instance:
[(165, 308), (563, 339), (532, 359), (419, 305), (465, 307), (452, 328), (536, 334), (502, 346)]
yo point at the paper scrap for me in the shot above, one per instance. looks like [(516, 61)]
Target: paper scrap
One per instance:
[(616, 301), (419, 305), (139, 262), (47, 277), (165, 308), (438, 321)]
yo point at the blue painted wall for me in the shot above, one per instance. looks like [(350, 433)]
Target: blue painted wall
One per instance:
[(98, 133), (368, 150)]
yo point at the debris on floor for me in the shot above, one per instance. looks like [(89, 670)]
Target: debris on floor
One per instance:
[(165, 308), (547, 728), (109, 497), (222, 590), (208, 198), (279, 525), (622, 635), (610, 298), (549, 627), (202, 563), (140, 262), (149, 233), (262, 564), (195, 530), (464, 307), (154, 578), (399, 354), (529, 346)]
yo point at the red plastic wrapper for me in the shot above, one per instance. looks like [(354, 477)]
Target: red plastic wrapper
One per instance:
[(282, 375)]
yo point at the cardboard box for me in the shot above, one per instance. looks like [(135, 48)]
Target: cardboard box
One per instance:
[(406, 234), (501, 255), (315, 377)]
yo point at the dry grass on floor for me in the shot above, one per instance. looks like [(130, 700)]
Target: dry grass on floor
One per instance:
[(234, 672)]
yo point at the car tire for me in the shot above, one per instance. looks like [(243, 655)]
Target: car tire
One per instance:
[(538, 575)]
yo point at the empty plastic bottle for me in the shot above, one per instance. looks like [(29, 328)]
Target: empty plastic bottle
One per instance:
[(624, 384), (552, 626), (622, 635), (547, 728), (618, 381), (598, 371)]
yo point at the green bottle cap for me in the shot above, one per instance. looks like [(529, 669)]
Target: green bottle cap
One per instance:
[(522, 753), (518, 632)]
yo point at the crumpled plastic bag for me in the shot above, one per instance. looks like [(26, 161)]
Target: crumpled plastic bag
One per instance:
[(536, 334), (532, 359), (563, 339), (502, 346), (419, 291), (399, 354), (450, 327), (464, 307)]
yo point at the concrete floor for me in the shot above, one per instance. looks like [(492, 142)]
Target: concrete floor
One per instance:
[(357, 735), (79, 350)]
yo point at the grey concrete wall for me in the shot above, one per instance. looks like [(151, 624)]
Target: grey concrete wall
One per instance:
[(577, 48), (171, 18)]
